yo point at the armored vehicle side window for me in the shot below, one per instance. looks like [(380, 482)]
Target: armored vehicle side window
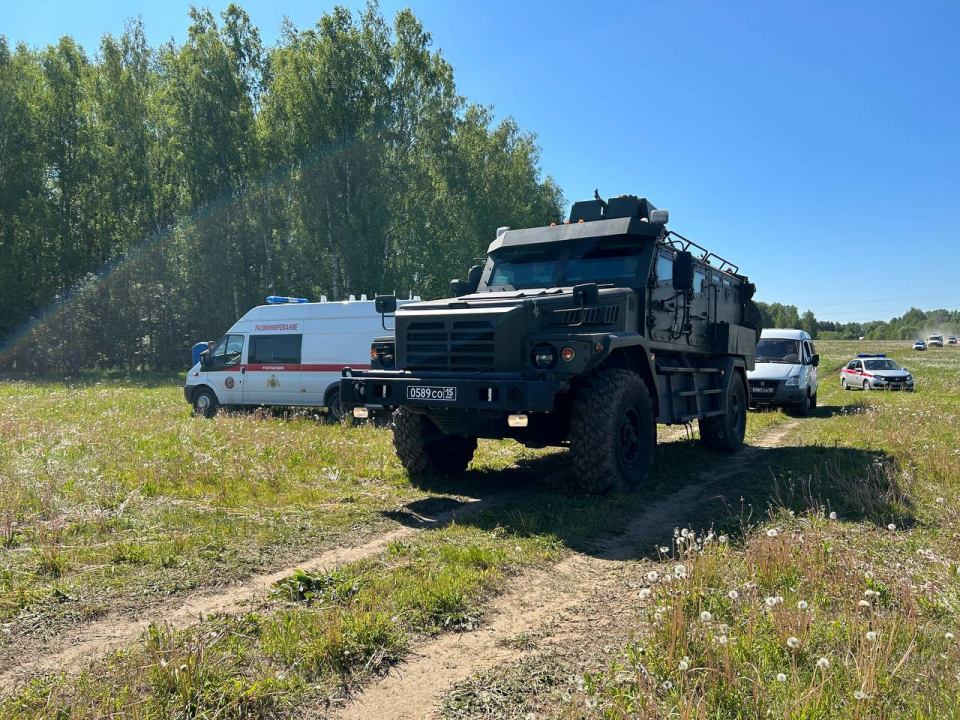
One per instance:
[(605, 261), (699, 282), (716, 278), (227, 353), (664, 269), (525, 268), (274, 349)]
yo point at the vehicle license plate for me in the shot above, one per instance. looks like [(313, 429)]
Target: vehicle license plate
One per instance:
[(762, 390), (429, 392)]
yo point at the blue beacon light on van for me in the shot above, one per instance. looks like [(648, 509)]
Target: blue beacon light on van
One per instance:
[(280, 300)]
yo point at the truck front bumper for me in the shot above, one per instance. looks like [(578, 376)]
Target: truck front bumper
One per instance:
[(501, 392)]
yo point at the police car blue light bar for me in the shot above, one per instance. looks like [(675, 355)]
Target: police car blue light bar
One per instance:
[(280, 299), (863, 355)]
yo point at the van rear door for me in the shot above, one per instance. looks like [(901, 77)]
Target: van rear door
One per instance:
[(273, 365)]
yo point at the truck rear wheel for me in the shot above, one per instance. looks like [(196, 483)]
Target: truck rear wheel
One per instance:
[(725, 432), (424, 450), (612, 432)]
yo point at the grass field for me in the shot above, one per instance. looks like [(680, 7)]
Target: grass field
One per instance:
[(115, 500)]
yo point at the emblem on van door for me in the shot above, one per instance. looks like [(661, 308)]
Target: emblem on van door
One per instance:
[(229, 383), (272, 382)]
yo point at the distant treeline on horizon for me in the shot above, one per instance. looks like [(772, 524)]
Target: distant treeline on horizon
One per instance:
[(149, 195), (912, 325)]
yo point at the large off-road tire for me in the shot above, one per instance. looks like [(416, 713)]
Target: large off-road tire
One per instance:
[(205, 402), (725, 432), (612, 432), (424, 450)]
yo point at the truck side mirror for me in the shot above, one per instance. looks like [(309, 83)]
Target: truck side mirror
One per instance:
[(459, 287), (683, 271), (385, 304), (815, 360), (473, 278), (586, 294)]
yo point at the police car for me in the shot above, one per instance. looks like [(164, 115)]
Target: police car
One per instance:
[(875, 372), (289, 352)]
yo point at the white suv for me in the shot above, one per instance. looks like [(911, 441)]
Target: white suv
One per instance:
[(786, 371), (935, 340)]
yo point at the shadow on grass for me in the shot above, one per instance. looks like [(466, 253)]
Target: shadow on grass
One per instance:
[(688, 486)]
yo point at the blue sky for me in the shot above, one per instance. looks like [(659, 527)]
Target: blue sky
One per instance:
[(815, 144)]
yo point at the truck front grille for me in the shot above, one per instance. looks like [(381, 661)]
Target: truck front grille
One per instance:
[(450, 345), (601, 315)]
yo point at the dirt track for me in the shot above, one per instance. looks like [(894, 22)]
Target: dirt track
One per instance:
[(556, 597), (412, 689)]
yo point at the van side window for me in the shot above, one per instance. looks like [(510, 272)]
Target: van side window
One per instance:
[(664, 269), (266, 349), (227, 353)]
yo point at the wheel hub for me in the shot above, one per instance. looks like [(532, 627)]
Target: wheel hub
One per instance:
[(629, 436)]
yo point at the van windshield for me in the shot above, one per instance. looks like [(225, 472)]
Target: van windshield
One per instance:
[(778, 350)]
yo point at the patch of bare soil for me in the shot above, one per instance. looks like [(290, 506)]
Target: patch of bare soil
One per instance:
[(569, 602), (72, 650)]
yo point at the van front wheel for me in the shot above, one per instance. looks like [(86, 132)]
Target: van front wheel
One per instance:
[(205, 403)]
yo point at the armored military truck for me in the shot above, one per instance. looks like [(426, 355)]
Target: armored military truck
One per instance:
[(586, 333)]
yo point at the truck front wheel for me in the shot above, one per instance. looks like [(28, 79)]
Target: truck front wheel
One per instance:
[(424, 450), (725, 432), (612, 432)]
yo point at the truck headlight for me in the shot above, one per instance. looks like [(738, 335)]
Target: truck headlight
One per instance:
[(544, 356), (793, 381)]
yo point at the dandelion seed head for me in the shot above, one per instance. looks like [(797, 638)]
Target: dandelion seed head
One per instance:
[(706, 616), (781, 677), (722, 639), (823, 663), (652, 576), (664, 549), (645, 593), (941, 500), (667, 685), (864, 603), (891, 527), (770, 601), (948, 636), (722, 539), (833, 516), (871, 636), (859, 695), (793, 642), (868, 575), (684, 665), (679, 570), (802, 605), (733, 594), (771, 533)]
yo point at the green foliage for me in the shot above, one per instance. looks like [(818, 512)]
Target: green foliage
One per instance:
[(914, 324), (151, 195)]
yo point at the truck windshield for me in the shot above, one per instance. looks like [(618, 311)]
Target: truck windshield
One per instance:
[(525, 268), (778, 350), (609, 261), (880, 365)]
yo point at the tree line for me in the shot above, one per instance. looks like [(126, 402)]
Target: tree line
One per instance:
[(149, 195), (912, 325)]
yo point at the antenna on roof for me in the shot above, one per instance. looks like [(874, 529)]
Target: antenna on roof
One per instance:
[(600, 200)]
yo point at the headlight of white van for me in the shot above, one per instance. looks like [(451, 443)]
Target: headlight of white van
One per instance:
[(793, 381)]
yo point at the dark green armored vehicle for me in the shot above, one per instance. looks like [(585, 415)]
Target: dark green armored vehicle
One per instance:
[(586, 334)]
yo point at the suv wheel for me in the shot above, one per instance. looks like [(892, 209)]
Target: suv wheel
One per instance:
[(813, 401), (725, 432), (802, 407), (612, 432), (424, 450), (843, 384), (205, 403)]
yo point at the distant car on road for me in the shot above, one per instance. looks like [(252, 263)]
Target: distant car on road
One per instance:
[(919, 345), (935, 341), (875, 372), (952, 340)]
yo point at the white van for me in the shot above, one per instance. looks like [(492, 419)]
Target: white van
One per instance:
[(289, 352), (786, 371)]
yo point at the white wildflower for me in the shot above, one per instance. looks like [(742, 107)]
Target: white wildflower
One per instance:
[(679, 570), (859, 695), (948, 636), (722, 639), (771, 601), (664, 549), (684, 665), (722, 539), (833, 516), (645, 593), (733, 594), (868, 575), (802, 605), (706, 616), (891, 527), (823, 663), (793, 642), (871, 636), (771, 533), (941, 500), (652, 576), (864, 604), (781, 677)]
